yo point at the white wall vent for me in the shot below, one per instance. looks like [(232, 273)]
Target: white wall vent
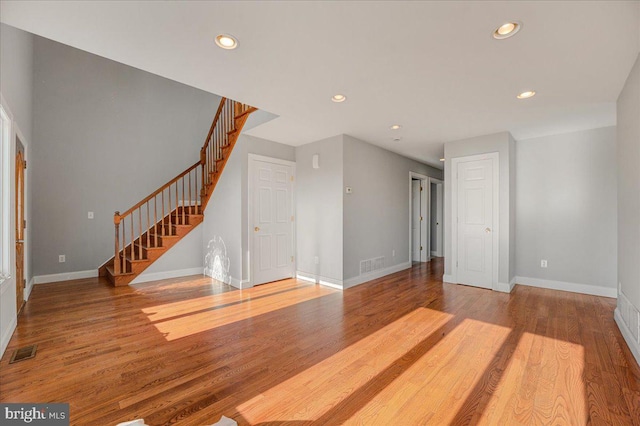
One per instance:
[(370, 265)]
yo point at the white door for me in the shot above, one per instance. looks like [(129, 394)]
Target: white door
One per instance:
[(476, 243), (272, 221), (416, 204), (439, 217)]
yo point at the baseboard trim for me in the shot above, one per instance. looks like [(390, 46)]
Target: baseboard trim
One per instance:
[(6, 336), (633, 344), (155, 276), (506, 288), (360, 279), (239, 284), (65, 276), (566, 286), (318, 279), (27, 291), (448, 279)]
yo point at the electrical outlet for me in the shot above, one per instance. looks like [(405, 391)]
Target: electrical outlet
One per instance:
[(90, 215), (62, 258), (316, 260), (543, 263)]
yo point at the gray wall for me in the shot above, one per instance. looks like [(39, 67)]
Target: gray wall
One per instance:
[(319, 209), (106, 135), (503, 144), (376, 213), (566, 207), (226, 215), (628, 161), (16, 75)]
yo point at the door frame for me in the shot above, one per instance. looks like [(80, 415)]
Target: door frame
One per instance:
[(27, 239), (455, 162), (424, 256), (440, 207), (250, 207)]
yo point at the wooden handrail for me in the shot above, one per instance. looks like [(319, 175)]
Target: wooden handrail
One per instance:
[(156, 192)]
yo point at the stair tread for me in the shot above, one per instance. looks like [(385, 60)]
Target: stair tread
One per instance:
[(150, 248), (110, 270), (129, 259)]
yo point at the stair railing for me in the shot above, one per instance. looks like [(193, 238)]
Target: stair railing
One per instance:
[(146, 223)]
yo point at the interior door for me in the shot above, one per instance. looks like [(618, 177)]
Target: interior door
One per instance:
[(272, 221), (475, 202), (416, 204), (20, 225), (439, 217)]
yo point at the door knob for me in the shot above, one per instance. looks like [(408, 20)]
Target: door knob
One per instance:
[(487, 230), (256, 229)]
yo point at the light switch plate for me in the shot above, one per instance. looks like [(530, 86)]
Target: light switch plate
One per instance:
[(90, 215)]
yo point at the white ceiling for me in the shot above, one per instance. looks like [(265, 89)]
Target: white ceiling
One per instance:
[(430, 66)]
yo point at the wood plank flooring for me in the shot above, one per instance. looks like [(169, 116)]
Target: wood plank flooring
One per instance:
[(402, 350)]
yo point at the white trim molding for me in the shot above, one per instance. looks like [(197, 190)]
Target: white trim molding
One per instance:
[(360, 279), (449, 279), (239, 284), (506, 288), (6, 336), (627, 316), (65, 276), (317, 279), (567, 286), (155, 276)]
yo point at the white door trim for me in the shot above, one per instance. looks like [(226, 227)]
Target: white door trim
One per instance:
[(436, 182), (424, 256), (496, 216), (250, 175)]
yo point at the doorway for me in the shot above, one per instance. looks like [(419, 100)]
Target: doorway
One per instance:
[(474, 217), (20, 166), (418, 218), (436, 217), (271, 219)]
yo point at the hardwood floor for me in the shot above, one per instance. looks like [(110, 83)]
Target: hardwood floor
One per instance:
[(406, 349)]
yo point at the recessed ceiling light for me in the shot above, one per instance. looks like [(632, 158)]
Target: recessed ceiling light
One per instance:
[(226, 41), (506, 30), (338, 98), (442, 159), (395, 127), (527, 94)]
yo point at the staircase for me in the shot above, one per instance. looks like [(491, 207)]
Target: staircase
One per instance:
[(155, 224)]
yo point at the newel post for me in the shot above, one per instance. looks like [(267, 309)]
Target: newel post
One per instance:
[(116, 259)]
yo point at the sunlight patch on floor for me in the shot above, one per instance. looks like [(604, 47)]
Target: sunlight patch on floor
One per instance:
[(436, 386), (315, 391), (543, 384), (186, 318)]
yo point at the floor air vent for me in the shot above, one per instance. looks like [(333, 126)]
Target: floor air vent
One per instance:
[(370, 265), (22, 354)]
